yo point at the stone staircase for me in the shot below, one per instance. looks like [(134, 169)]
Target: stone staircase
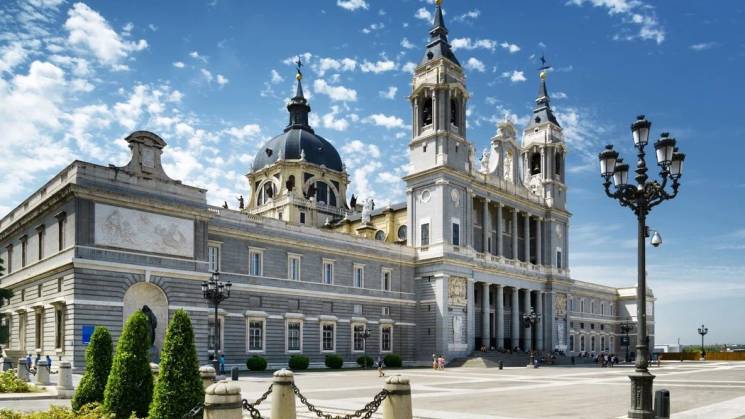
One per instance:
[(491, 359)]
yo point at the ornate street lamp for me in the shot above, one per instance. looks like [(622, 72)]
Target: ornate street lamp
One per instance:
[(703, 331), (215, 292), (641, 198), (365, 335), (626, 327), (530, 320)]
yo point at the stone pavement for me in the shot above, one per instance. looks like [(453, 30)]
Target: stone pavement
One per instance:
[(697, 390)]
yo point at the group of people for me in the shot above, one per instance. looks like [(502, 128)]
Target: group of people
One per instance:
[(35, 366), (606, 360), (438, 362), (221, 363)]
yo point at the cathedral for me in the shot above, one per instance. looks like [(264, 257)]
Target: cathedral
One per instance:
[(479, 246)]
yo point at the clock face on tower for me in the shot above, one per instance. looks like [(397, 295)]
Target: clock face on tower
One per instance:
[(558, 231), (455, 196)]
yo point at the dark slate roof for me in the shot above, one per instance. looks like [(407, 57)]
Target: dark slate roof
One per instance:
[(289, 144), (542, 112), (438, 46), (297, 138)]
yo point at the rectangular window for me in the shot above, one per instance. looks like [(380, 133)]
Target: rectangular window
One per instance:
[(255, 258), (293, 267), (255, 335), (358, 338), (214, 344), (456, 234), (59, 284), (387, 280), (386, 311), (23, 295), (425, 234), (328, 337), (61, 223), (40, 241), (39, 330), (558, 259), (9, 249), (294, 336), (213, 258), (328, 272), (571, 343), (357, 309), (24, 250), (386, 339), (59, 329), (359, 276), (38, 291), (302, 218)]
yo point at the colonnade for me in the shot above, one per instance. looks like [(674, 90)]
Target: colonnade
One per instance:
[(519, 335), (491, 238)]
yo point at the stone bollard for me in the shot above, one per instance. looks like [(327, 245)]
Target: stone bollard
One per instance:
[(222, 400), (283, 398), (208, 375), (398, 403), (23, 370), (6, 365), (234, 373), (65, 389), (42, 373)]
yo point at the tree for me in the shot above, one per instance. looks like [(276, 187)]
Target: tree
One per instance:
[(130, 384), (179, 387), (97, 368)]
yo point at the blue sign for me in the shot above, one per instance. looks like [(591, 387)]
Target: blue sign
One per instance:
[(87, 332)]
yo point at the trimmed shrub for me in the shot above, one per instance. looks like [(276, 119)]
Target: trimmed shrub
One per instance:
[(10, 383), (299, 362), (334, 361), (365, 361), (179, 387), (130, 384), (392, 361), (89, 411), (256, 363), (97, 367)]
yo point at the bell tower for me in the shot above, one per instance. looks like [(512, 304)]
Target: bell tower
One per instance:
[(438, 102), (544, 150)]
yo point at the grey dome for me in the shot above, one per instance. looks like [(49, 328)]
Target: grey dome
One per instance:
[(289, 144)]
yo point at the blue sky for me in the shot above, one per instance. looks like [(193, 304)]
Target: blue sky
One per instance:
[(212, 78)]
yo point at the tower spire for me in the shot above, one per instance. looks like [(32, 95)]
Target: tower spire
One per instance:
[(542, 112), (438, 46), (298, 106)]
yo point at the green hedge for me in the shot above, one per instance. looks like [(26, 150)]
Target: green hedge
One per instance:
[(298, 362), (89, 411), (334, 361), (365, 361), (130, 385), (392, 361), (256, 363), (179, 387), (10, 383), (97, 367)]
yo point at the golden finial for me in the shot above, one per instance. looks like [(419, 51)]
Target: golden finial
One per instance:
[(543, 75), (438, 2), (299, 76)]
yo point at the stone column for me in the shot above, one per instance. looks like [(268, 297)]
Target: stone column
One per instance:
[(486, 224), (222, 400), (499, 320), (470, 315), (65, 389), (538, 244), (515, 253), (515, 318), (485, 309), (398, 403), (527, 330), (283, 398), (466, 228), (499, 244), (42, 373), (541, 322), (527, 237)]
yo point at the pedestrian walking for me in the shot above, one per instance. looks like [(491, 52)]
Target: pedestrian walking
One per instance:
[(434, 361), (379, 361), (222, 364), (441, 362)]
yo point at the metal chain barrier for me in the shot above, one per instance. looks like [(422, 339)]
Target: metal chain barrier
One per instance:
[(251, 407), (196, 410), (364, 413)]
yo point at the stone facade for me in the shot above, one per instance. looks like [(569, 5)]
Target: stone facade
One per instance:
[(473, 249)]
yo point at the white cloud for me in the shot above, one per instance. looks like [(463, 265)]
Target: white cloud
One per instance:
[(373, 27), (207, 75), (178, 64), (335, 93), (635, 14), (244, 132), (409, 67), (390, 93), (407, 44), (515, 76), (512, 48), (470, 15), (378, 66), (195, 55), (559, 95), (276, 77), (703, 46), (386, 121), (352, 5), (330, 120), (424, 14), (222, 80), (474, 63), (331, 64), (469, 44), (90, 31), (10, 56)]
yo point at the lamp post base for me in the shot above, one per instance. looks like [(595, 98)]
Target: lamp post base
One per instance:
[(642, 398)]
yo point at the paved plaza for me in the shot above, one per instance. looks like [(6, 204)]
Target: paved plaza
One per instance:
[(698, 390)]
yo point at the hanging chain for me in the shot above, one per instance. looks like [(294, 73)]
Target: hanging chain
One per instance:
[(194, 411), (364, 413), (251, 407)]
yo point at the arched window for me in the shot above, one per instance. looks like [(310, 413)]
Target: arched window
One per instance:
[(535, 163), (602, 343), (557, 163), (427, 111), (571, 343), (402, 232), (325, 194), (380, 235), (582, 343), (454, 111), (267, 191), (592, 343)]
